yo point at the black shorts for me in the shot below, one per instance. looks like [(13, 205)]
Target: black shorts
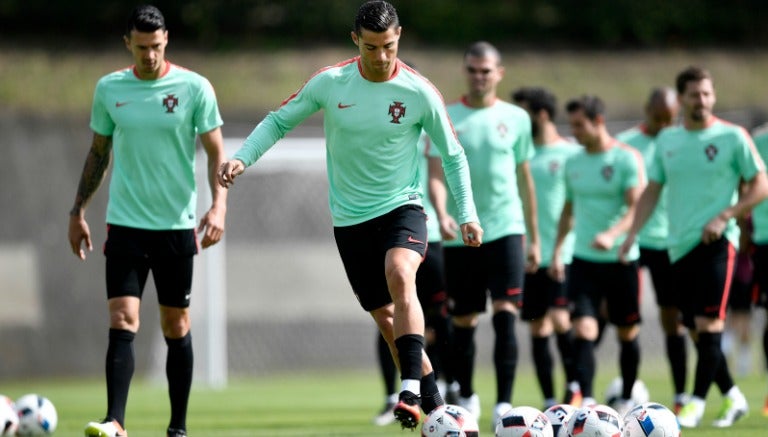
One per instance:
[(131, 253), (658, 264), (703, 277), (617, 284), (471, 273), (760, 259), (541, 292), (430, 279), (363, 249)]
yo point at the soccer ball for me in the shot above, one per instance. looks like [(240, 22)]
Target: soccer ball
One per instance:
[(597, 421), (9, 420), (450, 421), (651, 420), (613, 392), (524, 422), (37, 416), (558, 415)]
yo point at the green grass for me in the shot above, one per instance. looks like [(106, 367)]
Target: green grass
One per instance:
[(319, 404)]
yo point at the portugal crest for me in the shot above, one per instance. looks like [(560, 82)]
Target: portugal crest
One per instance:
[(711, 152), (169, 102), (607, 172), (396, 110)]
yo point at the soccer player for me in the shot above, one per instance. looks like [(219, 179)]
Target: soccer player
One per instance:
[(148, 116), (603, 183), (702, 163), (496, 136), (375, 108), (545, 302), (661, 110)]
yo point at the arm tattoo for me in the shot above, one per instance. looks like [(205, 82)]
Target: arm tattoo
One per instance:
[(93, 171)]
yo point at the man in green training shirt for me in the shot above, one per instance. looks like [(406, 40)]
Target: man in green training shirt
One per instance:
[(375, 108), (661, 110), (701, 164), (148, 116)]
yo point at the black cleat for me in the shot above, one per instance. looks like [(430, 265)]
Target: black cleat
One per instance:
[(408, 410), (173, 432)]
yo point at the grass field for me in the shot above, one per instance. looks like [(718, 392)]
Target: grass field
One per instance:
[(327, 404)]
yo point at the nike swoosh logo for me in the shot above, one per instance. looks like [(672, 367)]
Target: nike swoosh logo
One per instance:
[(345, 106), (413, 240), (119, 104)]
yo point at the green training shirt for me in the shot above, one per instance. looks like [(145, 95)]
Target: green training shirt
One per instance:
[(548, 171), (656, 230), (496, 139), (760, 211), (153, 125), (433, 225), (372, 130), (701, 170), (596, 185)]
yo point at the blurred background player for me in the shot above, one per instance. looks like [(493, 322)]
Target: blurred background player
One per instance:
[(374, 103), (702, 164), (148, 116), (603, 183), (497, 140), (661, 110), (545, 300)]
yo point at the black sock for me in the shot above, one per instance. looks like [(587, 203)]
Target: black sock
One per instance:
[(120, 366), (707, 365), (386, 364), (542, 360), (629, 360), (464, 359), (584, 359), (430, 395), (409, 350), (565, 347), (678, 357), (178, 369), (504, 355)]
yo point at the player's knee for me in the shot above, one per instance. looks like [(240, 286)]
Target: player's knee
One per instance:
[(174, 322), (124, 319)]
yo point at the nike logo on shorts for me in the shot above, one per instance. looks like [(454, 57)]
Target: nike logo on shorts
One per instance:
[(413, 240)]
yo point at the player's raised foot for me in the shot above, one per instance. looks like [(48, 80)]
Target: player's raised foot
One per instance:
[(106, 428), (471, 404), (734, 407), (407, 411), (498, 411), (173, 432), (387, 414), (691, 413)]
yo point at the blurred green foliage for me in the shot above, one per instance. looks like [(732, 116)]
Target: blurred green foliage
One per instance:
[(275, 23)]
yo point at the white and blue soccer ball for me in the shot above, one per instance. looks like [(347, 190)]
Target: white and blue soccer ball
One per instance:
[(37, 416), (524, 421), (450, 421), (558, 416), (651, 419), (640, 392), (598, 421), (9, 420)]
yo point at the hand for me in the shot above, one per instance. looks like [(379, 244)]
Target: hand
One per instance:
[(228, 171), (213, 225), (603, 241), (79, 233), (472, 234), (448, 228), (533, 257), (556, 270), (626, 245), (713, 230)]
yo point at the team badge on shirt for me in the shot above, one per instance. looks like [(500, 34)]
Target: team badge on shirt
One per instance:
[(396, 110), (554, 166), (607, 172), (169, 102), (503, 129), (711, 152)]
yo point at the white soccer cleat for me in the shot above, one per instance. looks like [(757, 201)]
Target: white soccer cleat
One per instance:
[(105, 429), (691, 413), (471, 404), (734, 407), (499, 410)]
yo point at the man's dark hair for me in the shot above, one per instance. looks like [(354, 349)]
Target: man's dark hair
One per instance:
[(482, 49), (591, 105), (690, 74), (538, 99), (377, 16), (145, 18)]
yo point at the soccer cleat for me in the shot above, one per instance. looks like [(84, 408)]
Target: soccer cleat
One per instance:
[(386, 416), (588, 402), (680, 400), (408, 410), (471, 404), (498, 411), (107, 428), (691, 413), (173, 432), (573, 397), (734, 407)]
